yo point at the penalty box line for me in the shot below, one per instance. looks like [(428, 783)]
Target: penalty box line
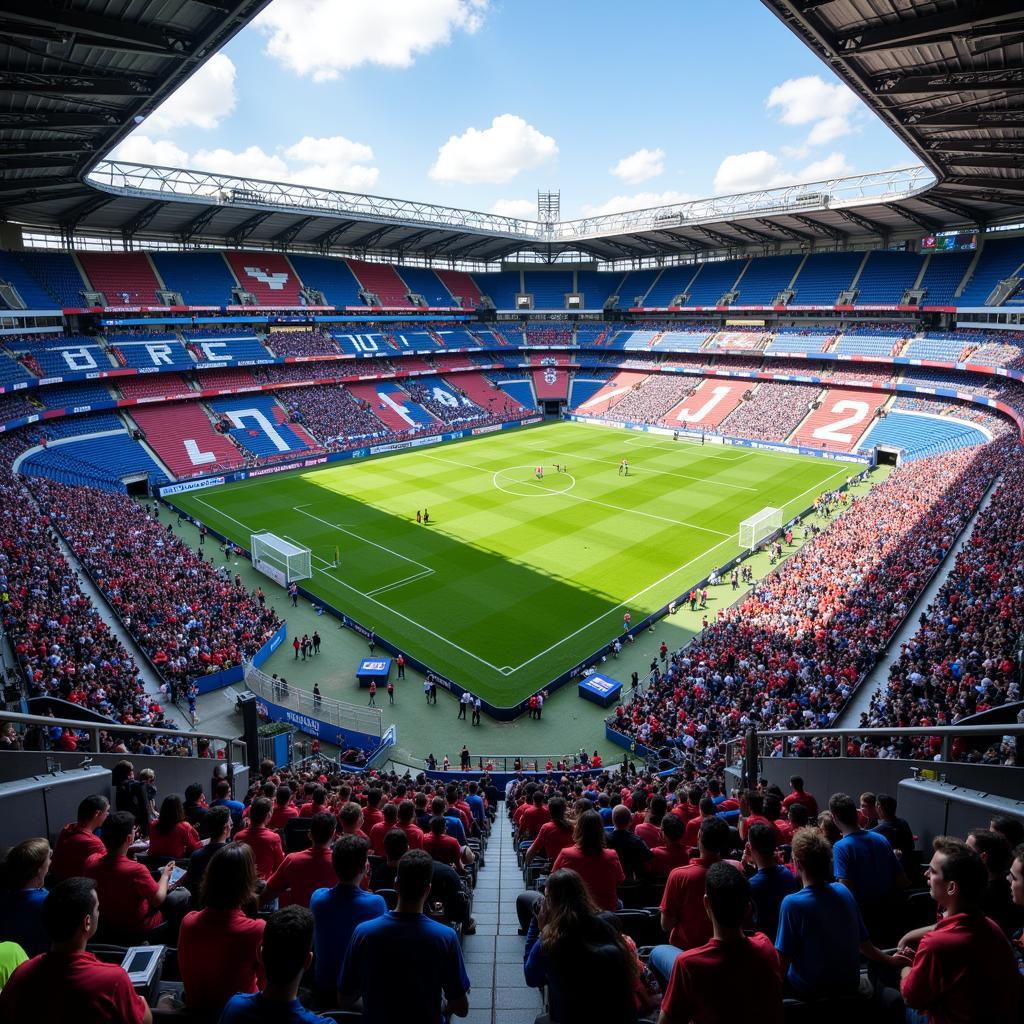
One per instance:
[(369, 597)]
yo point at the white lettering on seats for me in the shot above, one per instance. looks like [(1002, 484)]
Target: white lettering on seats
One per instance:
[(275, 282), (160, 354), (79, 358), (197, 457), (685, 415), (400, 409), (831, 431), (238, 416), (209, 350)]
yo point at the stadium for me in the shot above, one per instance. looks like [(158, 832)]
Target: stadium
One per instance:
[(386, 581)]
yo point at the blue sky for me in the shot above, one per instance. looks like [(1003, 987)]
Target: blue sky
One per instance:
[(480, 103)]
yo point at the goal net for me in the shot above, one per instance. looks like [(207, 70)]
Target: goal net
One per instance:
[(280, 559), (758, 526)]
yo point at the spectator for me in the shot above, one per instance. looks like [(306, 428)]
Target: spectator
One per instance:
[(337, 911), (217, 826), (703, 984), (997, 901), (770, 883), (964, 969), (554, 835), (569, 946), (896, 830), (433, 958), (130, 795), (68, 983), (286, 953), (196, 807), (600, 868), (799, 795), (266, 844), (634, 854), (396, 845), (683, 916), (303, 873), (218, 946), (135, 905), (673, 851), (78, 841), (23, 872), (171, 835), (284, 809), (821, 934), (441, 847)]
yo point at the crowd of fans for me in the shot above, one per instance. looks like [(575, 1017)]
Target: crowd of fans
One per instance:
[(772, 412), (188, 617), (302, 343), (790, 653), (651, 398), (963, 659), (336, 417)]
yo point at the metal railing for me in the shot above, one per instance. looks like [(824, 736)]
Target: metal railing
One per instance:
[(764, 742), (231, 744), (324, 709), (508, 763)]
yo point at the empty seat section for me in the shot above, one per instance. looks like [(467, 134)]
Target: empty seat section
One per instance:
[(56, 273), (509, 334), (221, 347), (793, 339), (12, 372), (260, 425), (680, 341), (501, 288), (331, 276), (124, 278), (840, 420), (671, 283), (588, 335), (520, 391), (1000, 259), (72, 426), (584, 386), (150, 351), (938, 345), (232, 379), (423, 281), (480, 390), (765, 278), (921, 434), (96, 461), (267, 276), (392, 405), (66, 396), (886, 276), (713, 281), (596, 287), (32, 293), (869, 344), (548, 287), (183, 436), (383, 281), (823, 276), (461, 287), (147, 385), (634, 286), (943, 275), (457, 337), (59, 356), (200, 278)]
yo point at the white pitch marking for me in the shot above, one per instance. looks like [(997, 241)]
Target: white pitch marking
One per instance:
[(351, 533)]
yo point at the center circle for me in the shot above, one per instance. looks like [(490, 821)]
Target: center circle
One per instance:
[(521, 482)]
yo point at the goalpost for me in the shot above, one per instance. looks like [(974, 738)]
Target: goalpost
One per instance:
[(281, 560), (760, 525)]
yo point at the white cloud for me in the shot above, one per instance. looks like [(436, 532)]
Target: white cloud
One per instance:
[(324, 38), (829, 109), (493, 155), (524, 209), (640, 166), (748, 172), (334, 162), (637, 201), (252, 162), (139, 149), (202, 102)]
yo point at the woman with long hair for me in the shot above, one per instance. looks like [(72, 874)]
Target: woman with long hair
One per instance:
[(171, 835), (590, 858), (218, 945), (554, 835), (579, 956)]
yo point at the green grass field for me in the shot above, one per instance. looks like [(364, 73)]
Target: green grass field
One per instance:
[(516, 580)]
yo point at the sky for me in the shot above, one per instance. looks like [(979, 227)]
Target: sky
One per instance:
[(481, 103)]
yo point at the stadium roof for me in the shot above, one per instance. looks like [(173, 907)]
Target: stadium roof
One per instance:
[(947, 76)]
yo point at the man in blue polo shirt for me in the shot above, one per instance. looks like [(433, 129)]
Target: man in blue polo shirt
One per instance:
[(431, 957), (338, 911)]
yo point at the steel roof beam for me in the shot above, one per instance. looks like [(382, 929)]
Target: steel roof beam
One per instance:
[(325, 240), (370, 238), (991, 146), (920, 220), (142, 218), (965, 19), (978, 119), (11, 161), (990, 183), (248, 226), (788, 232), (40, 19), (76, 85), (73, 217), (1000, 80), (26, 184), (54, 120), (198, 223), (1003, 160), (865, 222), (288, 233), (826, 229), (941, 203), (718, 239)]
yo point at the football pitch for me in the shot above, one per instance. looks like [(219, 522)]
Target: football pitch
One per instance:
[(516, 579)]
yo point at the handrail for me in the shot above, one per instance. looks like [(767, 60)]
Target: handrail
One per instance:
[(95, 728)]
